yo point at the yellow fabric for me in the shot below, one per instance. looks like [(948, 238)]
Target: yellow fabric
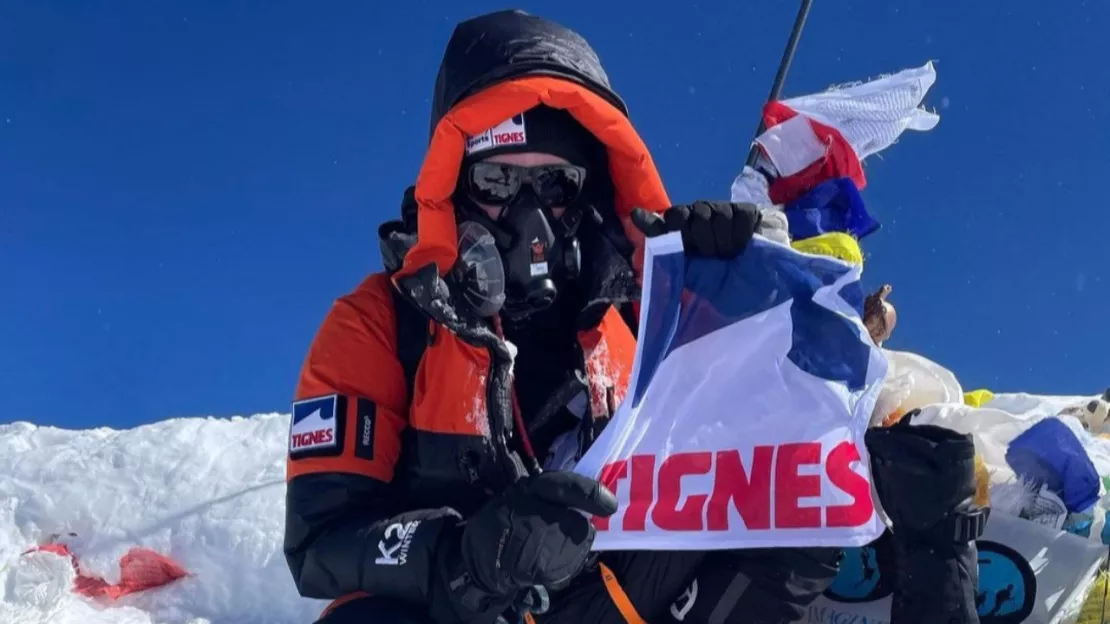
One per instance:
[(893, 417), (835, 244), (978, 398), (1096, 609), (982, 483), (621, 599)]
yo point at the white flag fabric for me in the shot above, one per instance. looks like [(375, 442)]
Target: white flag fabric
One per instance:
[(1028, 573), (812, 138), (870, 115), (753, 383)]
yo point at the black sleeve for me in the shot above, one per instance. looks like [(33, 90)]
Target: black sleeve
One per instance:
[(349, 525), (346, 533), (757, 586), (934, 583), (925, 478)]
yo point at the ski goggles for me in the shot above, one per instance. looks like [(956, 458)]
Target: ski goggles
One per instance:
[(498, 184)]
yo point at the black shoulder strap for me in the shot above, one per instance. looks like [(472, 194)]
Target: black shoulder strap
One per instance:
[(412, 337), (412, 325)]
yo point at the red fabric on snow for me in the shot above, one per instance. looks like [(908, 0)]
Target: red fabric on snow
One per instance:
[(140, 569)]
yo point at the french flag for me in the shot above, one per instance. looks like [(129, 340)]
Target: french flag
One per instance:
[(805, 152), (742, 362), (815, 138)]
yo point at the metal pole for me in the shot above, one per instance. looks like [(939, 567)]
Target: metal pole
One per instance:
[(784, 66)]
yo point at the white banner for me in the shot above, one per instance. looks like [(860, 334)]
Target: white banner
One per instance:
[(1027, 573), (752, 386)]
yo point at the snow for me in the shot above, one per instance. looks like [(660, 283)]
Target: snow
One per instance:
[(207, 492)]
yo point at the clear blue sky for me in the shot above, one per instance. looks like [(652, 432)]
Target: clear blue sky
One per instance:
[(185, 187)]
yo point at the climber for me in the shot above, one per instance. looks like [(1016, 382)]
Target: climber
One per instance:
[(438, 406)]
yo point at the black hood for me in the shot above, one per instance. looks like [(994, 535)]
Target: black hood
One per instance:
[(504, 45)]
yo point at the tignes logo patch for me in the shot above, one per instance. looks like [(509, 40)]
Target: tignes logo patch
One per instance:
[(315, 428), (508, 132)]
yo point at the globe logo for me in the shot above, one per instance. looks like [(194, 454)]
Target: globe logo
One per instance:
[(859, 579), (1006, 593), (1007, 586)]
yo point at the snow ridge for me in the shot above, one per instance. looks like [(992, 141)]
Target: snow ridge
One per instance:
[(207, 492)]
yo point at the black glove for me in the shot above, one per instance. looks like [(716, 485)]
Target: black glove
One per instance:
[(714, 229), (925, 479), (530, 535)]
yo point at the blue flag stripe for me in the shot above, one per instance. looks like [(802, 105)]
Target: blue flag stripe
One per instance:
[(694, 297), (667, 284)]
